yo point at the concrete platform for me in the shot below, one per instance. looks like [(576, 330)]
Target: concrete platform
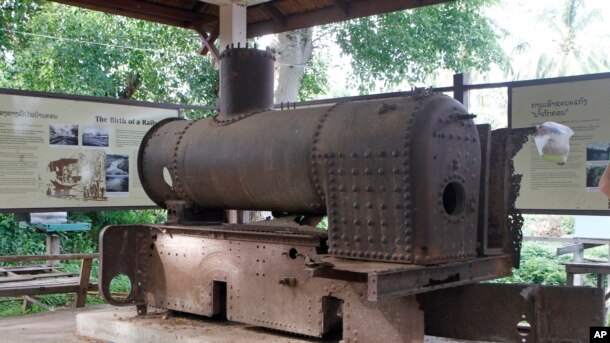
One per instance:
[(47, 327), (121, 325)]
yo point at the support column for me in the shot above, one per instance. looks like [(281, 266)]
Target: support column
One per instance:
[(578, 257), (53, 248), (233, 24)]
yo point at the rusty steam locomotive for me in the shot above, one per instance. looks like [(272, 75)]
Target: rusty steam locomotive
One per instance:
[(415, 195)]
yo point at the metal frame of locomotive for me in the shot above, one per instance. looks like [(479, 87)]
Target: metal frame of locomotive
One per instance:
[(418, 198)]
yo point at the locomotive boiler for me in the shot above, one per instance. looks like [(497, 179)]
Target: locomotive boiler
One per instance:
[(415, 196)]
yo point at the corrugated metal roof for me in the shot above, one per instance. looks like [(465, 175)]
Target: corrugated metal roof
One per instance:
[(268, 17)]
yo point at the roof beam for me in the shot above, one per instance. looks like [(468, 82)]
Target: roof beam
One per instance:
[(357, 9), (271, 10), (208, 42), (143, 10), (342, 5)]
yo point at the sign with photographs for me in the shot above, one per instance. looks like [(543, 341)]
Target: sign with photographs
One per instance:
[(58, 153), (584, 106)]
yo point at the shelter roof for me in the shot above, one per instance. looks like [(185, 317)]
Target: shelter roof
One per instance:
[(264, 16)]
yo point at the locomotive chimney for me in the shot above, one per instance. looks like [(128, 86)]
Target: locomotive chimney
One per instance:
[(246, 81)]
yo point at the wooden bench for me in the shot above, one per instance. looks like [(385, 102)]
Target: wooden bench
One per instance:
[(599, 269), (31, 280)]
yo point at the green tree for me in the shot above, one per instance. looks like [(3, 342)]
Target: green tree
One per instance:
[(569, 25), (57, 48), (411, 46), (570, 39), (392, 49)]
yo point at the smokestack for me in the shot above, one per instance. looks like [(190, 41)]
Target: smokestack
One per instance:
[(246, 81)]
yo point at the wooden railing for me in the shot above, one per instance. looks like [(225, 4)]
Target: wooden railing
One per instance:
[(31, 280)]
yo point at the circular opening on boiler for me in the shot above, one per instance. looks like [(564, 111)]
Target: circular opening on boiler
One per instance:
[(453, 198), (292, 253), (120, 287), (167, 177)]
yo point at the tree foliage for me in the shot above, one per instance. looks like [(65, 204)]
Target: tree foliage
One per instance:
[(412, 45), (57, 48), (569, 25)]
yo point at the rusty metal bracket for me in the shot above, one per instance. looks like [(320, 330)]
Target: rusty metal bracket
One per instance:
[(505, 220), (391, 280)]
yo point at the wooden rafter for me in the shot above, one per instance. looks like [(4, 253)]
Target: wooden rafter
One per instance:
[(326, 15), (271, 10), (208, 42), (268, 17), (342, 5), (143, 10)]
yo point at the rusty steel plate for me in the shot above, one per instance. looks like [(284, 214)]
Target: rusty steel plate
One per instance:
[(391, 280), (259, 275), (513, 313)]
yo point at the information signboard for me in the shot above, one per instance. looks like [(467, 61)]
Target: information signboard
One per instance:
[(59, 153), (584, 106)]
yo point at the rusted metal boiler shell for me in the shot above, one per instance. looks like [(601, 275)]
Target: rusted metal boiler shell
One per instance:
[(399, 178)]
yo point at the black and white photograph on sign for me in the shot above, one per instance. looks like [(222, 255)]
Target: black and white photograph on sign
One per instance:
[(96, 136), (595, 169), (63, 134), (77, 177), (116, 165), (117, 185), (598, 151)]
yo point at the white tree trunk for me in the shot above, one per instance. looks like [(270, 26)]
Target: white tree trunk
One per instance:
[(294, 50)]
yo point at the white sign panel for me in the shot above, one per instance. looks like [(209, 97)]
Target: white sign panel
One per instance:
[(59, 153), (584, 106)]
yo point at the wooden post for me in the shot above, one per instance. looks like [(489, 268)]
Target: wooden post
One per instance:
[(459, 92), (233, 21), (578, 257), (570, 279), (53, 248), (83, 287)]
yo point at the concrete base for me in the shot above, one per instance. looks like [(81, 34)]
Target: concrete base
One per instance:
[(123, 325)]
